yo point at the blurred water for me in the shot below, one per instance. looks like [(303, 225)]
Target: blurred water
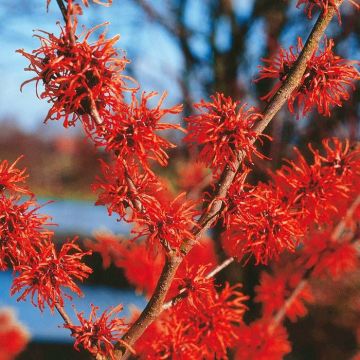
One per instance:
[(46, 326), (81, 217)]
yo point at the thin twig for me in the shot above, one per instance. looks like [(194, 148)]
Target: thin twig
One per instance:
[(62, 9), (219, 268), (280, 315), (63, 314), (293, 80)]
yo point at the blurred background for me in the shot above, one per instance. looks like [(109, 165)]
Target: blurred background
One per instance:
[(190, 48)]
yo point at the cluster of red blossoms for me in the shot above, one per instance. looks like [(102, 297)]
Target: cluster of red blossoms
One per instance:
[(307, 203), (324, 84)]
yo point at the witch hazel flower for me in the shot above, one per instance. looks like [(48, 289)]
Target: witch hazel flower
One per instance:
[(98, 334), (132, 130), (81, 80), (222, 129), (261, 225), (325, 83), (11, 177), (48, 272)]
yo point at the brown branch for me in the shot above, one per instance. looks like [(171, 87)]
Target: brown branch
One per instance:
[(280, 315), (62, 9), (293, 80), (151, 310), (63, 314)]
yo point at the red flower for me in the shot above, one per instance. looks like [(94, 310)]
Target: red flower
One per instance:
[(97, 334), (322, 5), (273, 292), (47, 272), (169, 223), (131, 130), (339, 160), (202, 332), (81, 80), (168, 339), (222, 129), (11, 177), (256, 343), (324, 84), (194, 286), (315, 189), (21, 229), (118, 194), (329, 256), (263, 226)]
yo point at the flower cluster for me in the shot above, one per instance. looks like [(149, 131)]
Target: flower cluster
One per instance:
[(205, 331), (223, 129), (21, 226), (144, 273), (324, 84), (263, 225), (266, 219), (48, 271), (132, 130), (82, 80), (313, 189), (98, 334)]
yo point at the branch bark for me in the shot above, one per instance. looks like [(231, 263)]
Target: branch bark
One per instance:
[(293, 80)]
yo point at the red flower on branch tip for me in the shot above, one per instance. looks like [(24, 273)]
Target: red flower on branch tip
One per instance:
[(11, 177), (124, 187), (222, 129), (322, 5), (324, 84), (98, 334), (168, 223), (194, 286), (81, 80), (47, 272), (131, 131), (263, 226)]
